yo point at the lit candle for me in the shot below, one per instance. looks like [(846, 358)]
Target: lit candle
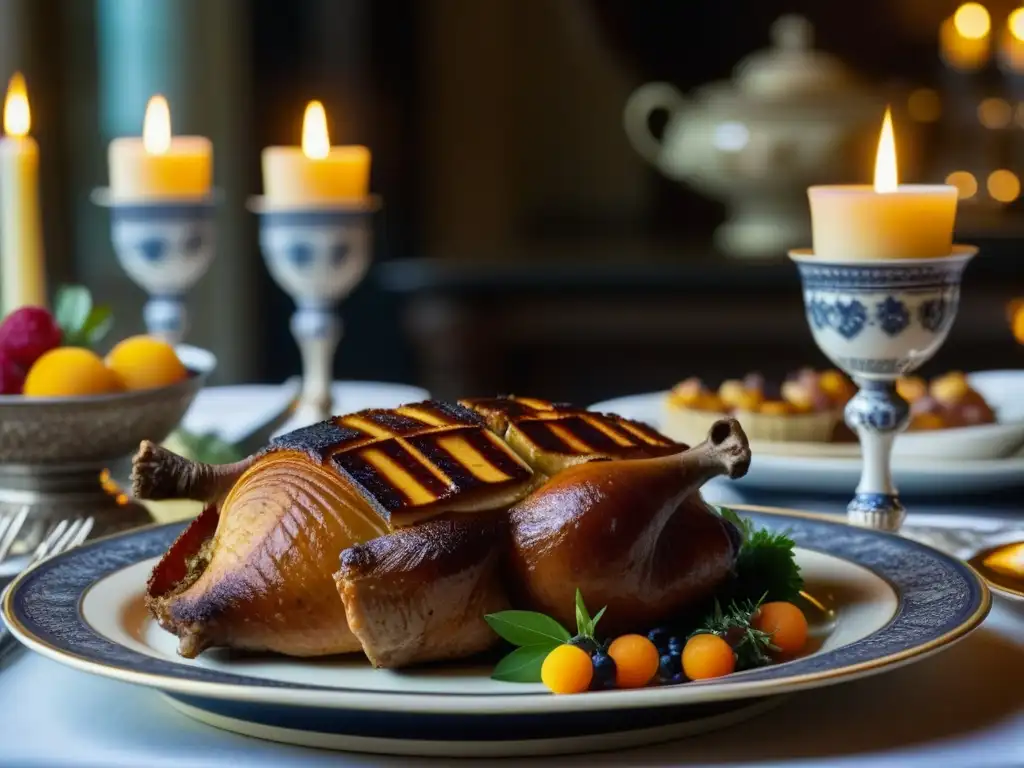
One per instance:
[(886, 221), (159, 166), (22, 262), (315, 173)]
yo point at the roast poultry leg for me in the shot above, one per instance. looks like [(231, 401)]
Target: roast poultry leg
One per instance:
[(421, 593), (635, 536)]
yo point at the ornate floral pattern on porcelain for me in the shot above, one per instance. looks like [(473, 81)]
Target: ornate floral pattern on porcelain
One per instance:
[(877, 319)]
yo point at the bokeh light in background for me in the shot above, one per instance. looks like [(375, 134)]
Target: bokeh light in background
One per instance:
[(1003, 186), (965, 183), (1015, 24), (1016, 314), (995, 113), (972, 21)]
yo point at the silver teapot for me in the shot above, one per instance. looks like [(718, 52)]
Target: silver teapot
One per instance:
[(788, 119)]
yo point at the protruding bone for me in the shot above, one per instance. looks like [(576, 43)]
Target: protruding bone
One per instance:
[(158, 473), (725, 451)]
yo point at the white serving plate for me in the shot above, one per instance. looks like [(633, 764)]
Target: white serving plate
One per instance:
[(964, 460), (889, 601)]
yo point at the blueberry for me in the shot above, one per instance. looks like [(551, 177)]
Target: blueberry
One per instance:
[(668, 666), (659, 636), (675, 645), (586, 643), (604, 672), (677, 679)]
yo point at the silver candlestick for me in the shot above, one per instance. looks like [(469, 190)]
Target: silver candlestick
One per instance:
[(317, 255), (877, 321), (165, 247)]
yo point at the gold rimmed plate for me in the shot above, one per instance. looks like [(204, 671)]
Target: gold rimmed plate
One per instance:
[(883, 601), (1005, 581)]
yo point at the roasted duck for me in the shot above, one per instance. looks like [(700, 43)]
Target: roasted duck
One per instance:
[(394, 531)]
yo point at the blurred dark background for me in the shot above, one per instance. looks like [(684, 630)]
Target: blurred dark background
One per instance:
[(525, 245)]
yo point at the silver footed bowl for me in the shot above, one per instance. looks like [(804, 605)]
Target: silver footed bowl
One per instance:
[(96, 429)]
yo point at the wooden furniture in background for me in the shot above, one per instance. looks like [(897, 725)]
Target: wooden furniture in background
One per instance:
[(583, 329)]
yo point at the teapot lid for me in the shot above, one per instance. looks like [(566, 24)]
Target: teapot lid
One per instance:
[(791, 69)]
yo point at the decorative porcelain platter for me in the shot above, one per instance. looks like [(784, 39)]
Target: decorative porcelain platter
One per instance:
[(885, 600), (926, 463)]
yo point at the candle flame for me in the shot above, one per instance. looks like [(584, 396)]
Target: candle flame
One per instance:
[(156, 127), (886, 176), (17, 116), (316, 143)]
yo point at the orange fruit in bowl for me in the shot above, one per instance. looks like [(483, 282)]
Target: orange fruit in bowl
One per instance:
[(70, 372), (144, 362)]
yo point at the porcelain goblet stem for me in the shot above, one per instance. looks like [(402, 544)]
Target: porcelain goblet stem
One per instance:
[(317, 330), (317, 256), (877, 414), (877, 320)]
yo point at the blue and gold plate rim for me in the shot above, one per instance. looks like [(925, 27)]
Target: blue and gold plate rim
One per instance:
[(940, 601)]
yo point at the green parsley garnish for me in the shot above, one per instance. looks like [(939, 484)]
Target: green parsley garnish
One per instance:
[(766, 567)]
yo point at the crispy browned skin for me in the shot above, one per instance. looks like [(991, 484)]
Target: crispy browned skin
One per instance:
[(416, 499), (633, 535), (267, 584), (264, 579), (421, 593)]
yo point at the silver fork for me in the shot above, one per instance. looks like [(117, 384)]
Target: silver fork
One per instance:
[(66, 535), (10, 527)]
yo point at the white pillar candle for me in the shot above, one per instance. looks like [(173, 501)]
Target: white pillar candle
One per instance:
[(22, 260), (157, 165), (315, 173), (884, 221)]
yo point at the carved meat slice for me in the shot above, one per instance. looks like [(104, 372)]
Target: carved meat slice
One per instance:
[(421, 593)]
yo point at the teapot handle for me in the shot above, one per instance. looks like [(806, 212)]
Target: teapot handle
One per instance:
[(642, 103)]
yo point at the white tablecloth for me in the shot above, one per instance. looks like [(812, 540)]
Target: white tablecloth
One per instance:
[(962, 708)]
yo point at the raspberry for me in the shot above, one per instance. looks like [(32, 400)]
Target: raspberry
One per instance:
[(26, 334), (12, 377)]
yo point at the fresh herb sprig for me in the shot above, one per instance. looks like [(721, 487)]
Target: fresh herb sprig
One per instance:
[(82, 323), (536, 635), (208, 447), (735, 625), (766, 566)]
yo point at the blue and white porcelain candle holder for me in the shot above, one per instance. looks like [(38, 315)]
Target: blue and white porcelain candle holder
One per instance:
[(877, 321), (165, 247), (318, 255)]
